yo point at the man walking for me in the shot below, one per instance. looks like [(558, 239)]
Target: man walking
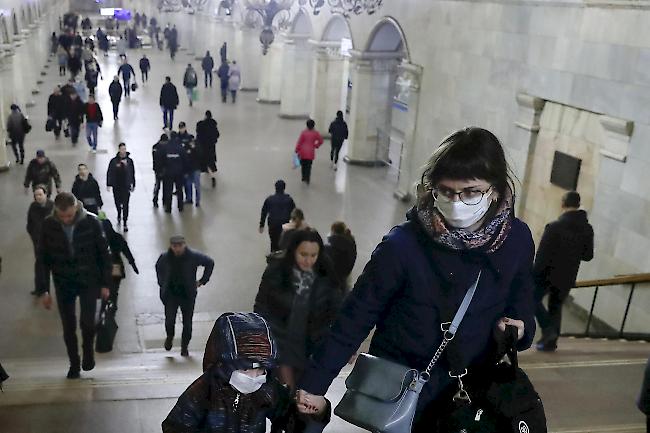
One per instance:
[(158, 159), (224, 76), (192, 166), (40, 209), (127, 72), (190, 81), (86, 189), (17, 128), (564, 244), (174, 169), (277, 208), (75, 116), (207, 64), (207, 135), (56, 111), (42, 171), (115, 92), (72, 248), (168, 102), (145, 67), (176, 272), (339, 133), (121, 177), (94, 119)]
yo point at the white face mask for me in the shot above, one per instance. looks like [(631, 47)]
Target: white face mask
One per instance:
[(245, 383), (461, 215)]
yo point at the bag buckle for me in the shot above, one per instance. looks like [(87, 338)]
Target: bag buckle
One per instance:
[(461, 395), (447, 334)]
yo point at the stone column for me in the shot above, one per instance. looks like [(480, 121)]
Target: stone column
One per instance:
[(4, 161), (271, 75), (329, 84), (296, 82), (249, 52), (373, 84), (412, 75), (522, 150)]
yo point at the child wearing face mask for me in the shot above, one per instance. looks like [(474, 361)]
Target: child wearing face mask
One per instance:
[(237, 392)]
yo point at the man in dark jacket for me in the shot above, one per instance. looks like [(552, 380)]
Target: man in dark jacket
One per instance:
[(73, 249), (127, 72), (224, 75), (176, 272), (56, 110), (115, 92), (207, 135), (40, 209), (94, 119), (17, 129), (158, 159), (168, 102), (145, 67), (564, 244), (75, 116), (342, 250), (121, 177), (174, 167), (86, 189), (192, 166), (339, 133), (207, 64), (42, 171), (277, 208)]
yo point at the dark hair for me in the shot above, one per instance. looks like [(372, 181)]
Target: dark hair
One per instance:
[(571, 199), (311, 124), (280, 186), (469, 153), (339, 228), (181, 125), (82, 164), (64, 200), (298, 214), (121, 144), (322, 267), (163, 137), (339, 114), (208, 114), (41, 187), (168, 78)]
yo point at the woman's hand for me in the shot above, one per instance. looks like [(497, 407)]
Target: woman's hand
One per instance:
[(310, 404), (519, 324)]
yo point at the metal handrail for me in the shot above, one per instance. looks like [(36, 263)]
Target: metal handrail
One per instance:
[(632, 280)]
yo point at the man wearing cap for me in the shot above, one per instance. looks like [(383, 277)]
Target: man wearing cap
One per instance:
[(42, 171), (176, 272), (277, 208)]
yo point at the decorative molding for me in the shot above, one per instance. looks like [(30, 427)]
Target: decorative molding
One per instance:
[(346, 8), (618, 134), (529, 112)]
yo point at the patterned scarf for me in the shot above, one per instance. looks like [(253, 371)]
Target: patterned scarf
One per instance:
[(488, 238)]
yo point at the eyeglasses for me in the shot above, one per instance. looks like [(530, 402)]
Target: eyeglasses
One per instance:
[(469, 196)]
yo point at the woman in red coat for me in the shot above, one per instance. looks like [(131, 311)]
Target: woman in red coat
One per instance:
[(308, 142)]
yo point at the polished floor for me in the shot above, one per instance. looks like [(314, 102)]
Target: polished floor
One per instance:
[(587, 386)]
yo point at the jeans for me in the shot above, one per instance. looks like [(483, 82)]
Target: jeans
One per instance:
[(208, 78), (116, 108), (18, 146), (74, 132), (193, 179), (122, 197), (334, 153), (127, 88), (168, 117), (550, 321), (224, 93), (91, 134), (305, 167), (172, 304), (169, 183), (145, 76), (67, 312), (189, 90)]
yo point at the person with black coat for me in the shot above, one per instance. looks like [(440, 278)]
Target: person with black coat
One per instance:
[(174, 168), (17, 128), (176, 272), (127, 72), (121, 177), (299, 297), (207, 64), (339, 133), (40, 209), (224, 76), (42, 171), (118, 247), (73, 249), (192, 167), (564, 244), (207, 135), (93, 73), (115, 92), (145, 67), (75, 116), (56, 107), (168, 102), (158, 159), (86, 189), (342, 250), (277, 209)]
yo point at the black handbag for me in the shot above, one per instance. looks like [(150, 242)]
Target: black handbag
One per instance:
[(381, 395), (498, 399), (50, 123), (26, 125), (106, 329), (134, 87)]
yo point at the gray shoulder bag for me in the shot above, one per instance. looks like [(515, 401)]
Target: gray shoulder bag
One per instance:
[(382, 395)]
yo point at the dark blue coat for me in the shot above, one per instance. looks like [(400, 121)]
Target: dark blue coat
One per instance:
[(175, 159), (403, 291)]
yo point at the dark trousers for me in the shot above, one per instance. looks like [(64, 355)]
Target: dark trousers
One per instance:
[(156, 188), (122, 197), (116, 108), (172, 304), (74, 132), (169, 183), (550, 320), (67, 311), (168, 117), (61, 71), (127, 88), (115, 290), (224, 93), (207, 75), (305, 167), (334, 153), (233, 93), (275, 231), (58, 126), (18, 146), (145, 76)]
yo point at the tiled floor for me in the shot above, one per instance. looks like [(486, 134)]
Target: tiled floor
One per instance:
[(132, 388)]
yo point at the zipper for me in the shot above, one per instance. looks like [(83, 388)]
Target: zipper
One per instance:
[(236, 403)]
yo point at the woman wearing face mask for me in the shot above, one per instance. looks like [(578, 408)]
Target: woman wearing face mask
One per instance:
[(299, 296), (236, 392), (463, 223), (40, 208)]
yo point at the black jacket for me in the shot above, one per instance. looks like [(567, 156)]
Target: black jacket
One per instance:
[(168, 96), (87, 265), (115, 91), (87, 192), (158, 157), (207, 135), (35, 217), (339, 131), (126, 71), (118, 246), (175, 159), (192, 157), (277, 208), (121, 172), (42, 174), (207, 64), (191, 261), (56, 106), (342, 250), (145, 65), (75, 111), (564, 244)]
